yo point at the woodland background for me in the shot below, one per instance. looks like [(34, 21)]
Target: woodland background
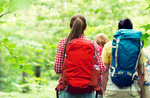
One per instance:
[(31, 29)]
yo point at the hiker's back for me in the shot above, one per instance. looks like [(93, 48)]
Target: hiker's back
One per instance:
[(126, 49), (123, 64), (79, 75)]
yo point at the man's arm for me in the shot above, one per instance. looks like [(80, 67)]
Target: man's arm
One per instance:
[(105, 77), (141, 75)]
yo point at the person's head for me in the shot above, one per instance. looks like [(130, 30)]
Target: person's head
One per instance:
[(101, 39), (77, 26), (125, 24)]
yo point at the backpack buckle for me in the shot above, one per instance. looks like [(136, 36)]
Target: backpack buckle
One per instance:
[(65, 55), (94, 56)]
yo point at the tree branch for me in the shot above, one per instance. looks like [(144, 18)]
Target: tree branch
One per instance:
[(4, 14)]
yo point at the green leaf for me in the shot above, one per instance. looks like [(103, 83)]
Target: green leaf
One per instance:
[(148, 7), (12, 45), (2, 3), (145, 36), (146, 27), (5, 40), (38, 50), (21, 60), (40, 18), (16, 65), (40, 60), (11, 60), (30, 72), (146, 39), (27, 66), (1, 9)]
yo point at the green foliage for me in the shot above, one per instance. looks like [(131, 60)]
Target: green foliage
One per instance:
[(146, 35), (146, 27), (8, 6), (31, 31)]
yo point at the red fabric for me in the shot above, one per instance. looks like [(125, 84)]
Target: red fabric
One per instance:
[(60, 54), (79, 62), (99, 79), (79, 74)]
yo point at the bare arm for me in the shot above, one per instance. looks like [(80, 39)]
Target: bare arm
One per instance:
[(141, 75), (105, 77)]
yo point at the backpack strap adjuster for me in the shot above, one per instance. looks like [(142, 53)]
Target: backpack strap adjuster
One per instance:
[(113, 72)]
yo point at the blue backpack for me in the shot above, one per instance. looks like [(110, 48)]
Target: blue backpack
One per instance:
[(126, 51)]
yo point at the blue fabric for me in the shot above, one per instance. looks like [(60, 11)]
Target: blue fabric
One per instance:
[(65, 94), (128, 51)]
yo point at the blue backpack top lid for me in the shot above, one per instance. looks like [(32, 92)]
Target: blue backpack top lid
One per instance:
[(128, 33)]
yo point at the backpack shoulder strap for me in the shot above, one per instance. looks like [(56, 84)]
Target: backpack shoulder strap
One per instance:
[(94, 52), (116, 52), (137, 62)]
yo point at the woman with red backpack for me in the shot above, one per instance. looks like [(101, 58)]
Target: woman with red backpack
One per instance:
[(79, 63)]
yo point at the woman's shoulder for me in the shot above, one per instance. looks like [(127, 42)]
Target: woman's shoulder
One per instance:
[(63, 40)]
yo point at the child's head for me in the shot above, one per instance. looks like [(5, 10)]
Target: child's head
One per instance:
[(101, 39)]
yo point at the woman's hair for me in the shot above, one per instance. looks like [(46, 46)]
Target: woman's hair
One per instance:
[(125, 24), (77, 25), (101, 39)]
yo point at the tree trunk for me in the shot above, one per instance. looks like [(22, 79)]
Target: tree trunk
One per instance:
[(24, 75), (38, 68), (38, 71), (25, 88)]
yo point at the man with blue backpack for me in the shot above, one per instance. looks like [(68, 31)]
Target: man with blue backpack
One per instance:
[(124, 63)]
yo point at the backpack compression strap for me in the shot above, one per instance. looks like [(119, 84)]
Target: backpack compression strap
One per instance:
[(116, 52), (137, 62)]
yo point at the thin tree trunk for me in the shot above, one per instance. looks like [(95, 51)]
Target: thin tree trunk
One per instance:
[(38, 68), (38, 71), (24, 75), (25, 88)]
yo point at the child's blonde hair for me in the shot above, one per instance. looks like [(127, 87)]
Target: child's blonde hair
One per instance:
[(101, 39)]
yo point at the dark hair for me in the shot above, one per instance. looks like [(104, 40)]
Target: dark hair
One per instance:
[(77, 25), (125, 24)]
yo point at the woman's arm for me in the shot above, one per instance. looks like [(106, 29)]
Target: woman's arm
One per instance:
[(59, 56)]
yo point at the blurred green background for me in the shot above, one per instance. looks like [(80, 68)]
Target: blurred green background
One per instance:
[(31, 29)]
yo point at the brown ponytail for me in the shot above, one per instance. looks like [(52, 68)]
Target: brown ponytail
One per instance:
[(77, 25)]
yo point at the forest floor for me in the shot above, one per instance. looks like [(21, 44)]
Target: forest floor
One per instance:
[(42, 92)]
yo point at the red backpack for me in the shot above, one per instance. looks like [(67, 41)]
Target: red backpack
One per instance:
[(78, 74)]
